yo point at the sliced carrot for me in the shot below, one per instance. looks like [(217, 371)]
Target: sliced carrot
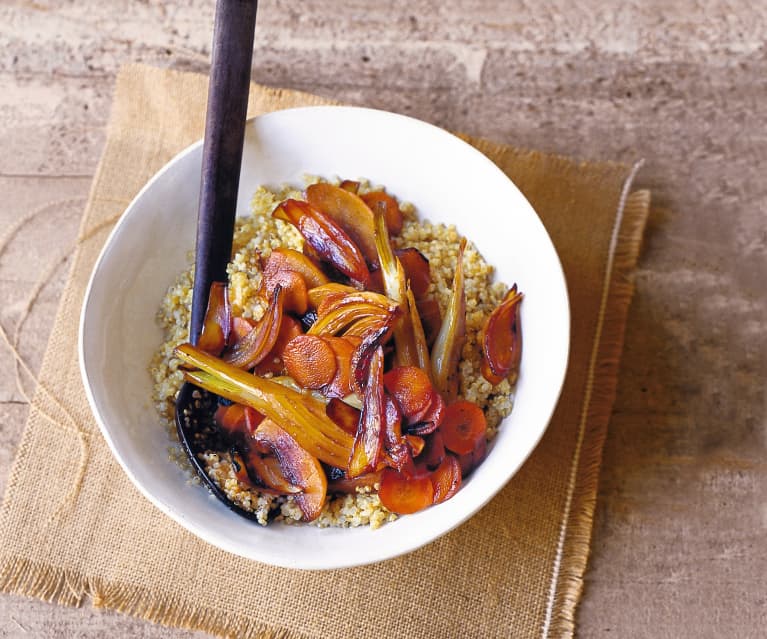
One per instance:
[(218, 320), (412, 390), (463, 426), (231, 418), (405, 495), (350, 185), (376, 199), (446, 479), (237, 420), (347, 417), (273, 362), (310, 361), (343, 349)]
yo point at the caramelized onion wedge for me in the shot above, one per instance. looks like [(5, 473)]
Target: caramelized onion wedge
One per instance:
[(287, 259), (501, 340), (331, 290), (218, 320), (302, 416), (367, 443), (257, 344), (268, 470), (446, 352), (298, 467), (327, 239), (350, 212), (344, 316)]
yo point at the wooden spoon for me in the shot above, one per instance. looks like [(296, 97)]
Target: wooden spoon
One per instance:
[(229, 84)]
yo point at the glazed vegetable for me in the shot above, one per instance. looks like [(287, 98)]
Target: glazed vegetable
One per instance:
[(337, 313), (463, 426), (297, 466), (369, 438), (406, 351), (286, 259), (350, 213), (405, 495), (381, 201), (501, 340), (347, 410), (446, 352), (327, 239), (257, 344), (446, 479), (218, 320), (302, 416)]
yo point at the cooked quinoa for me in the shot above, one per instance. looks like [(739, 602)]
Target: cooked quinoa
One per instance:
[(257, 235)]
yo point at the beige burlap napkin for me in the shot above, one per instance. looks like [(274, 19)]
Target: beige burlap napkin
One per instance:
[(73, 526)]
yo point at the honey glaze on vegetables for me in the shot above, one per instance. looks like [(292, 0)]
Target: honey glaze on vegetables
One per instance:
[(347, 375)]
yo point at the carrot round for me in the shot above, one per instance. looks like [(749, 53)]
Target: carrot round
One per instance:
[(405, 495), (310, 361), (412, 390), (462, 426)]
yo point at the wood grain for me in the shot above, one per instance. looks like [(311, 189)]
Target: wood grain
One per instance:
[(679, 544)]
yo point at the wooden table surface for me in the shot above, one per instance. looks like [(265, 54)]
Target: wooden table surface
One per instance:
[(680, 538)]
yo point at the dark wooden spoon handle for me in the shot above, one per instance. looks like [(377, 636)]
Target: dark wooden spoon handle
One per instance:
[(231, 58)]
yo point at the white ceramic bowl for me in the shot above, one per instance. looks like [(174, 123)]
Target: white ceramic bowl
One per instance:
[(448, 181)]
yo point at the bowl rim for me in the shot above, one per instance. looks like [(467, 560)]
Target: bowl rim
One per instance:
[(379, 555)]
